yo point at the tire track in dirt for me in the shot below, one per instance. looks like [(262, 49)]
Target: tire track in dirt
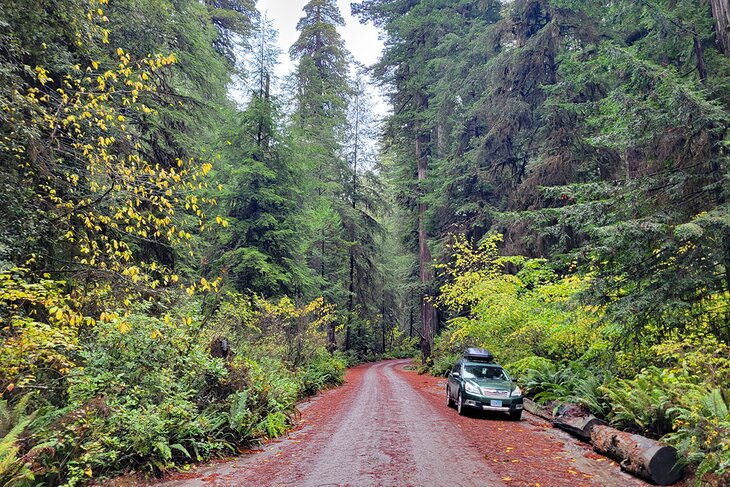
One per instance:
[(390, 427)]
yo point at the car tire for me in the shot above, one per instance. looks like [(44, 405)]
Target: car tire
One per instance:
[(515, 415), (460, 404), (449, 401)]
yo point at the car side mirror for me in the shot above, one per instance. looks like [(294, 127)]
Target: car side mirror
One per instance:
[(456, 374)]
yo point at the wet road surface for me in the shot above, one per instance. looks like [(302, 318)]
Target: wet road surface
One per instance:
[(388, 426)]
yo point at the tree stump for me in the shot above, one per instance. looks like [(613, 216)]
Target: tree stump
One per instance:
[(638, 455)]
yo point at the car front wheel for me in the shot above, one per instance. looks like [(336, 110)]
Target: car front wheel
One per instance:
[(460, 404), (449, 400), (515, 415)]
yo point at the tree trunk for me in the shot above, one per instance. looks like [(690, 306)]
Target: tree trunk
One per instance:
[(382, 321), (351, 295), (580, 426), (410, 321), (700, 55), (424, 254), (331, 339), (638, 455), (721, 12)]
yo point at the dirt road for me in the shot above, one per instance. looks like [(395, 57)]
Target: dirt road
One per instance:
[(388, 426)]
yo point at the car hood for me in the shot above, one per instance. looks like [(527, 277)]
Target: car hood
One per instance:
[(498, 385)]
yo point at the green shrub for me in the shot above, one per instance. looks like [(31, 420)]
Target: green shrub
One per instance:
[(322, 371), (442, 364), (642, 404), (13, 421), (702, 432), (520, 368)]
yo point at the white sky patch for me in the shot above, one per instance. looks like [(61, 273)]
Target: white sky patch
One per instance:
[(361, 40)]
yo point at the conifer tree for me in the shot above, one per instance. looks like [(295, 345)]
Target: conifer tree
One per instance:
[(318, 123), (259, 248)]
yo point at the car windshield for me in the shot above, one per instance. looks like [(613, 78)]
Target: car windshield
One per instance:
[(484, 372)]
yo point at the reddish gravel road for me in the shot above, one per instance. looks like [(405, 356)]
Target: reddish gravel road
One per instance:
[(388, 426)]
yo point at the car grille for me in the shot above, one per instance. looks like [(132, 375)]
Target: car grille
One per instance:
[(494, 392)]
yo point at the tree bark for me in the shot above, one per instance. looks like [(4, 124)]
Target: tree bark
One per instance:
[(351, 294), (580, 426), (721, 12), (424, 254), (700, 55), (638, 455), (534, 408), (331, 338)]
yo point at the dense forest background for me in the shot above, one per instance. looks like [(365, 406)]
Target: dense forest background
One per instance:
[(178, 266)]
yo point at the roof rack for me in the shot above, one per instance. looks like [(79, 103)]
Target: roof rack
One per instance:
[(478, 355)]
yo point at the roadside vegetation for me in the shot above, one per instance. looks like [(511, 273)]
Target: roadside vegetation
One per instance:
[(668, 385)]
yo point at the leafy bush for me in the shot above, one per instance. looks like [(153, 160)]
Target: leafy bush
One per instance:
[(13, 421), (521, 368), (150, 395), (443, 362), (642, 404), (322, 371), (702, 432), (515, 307), (134, 404)]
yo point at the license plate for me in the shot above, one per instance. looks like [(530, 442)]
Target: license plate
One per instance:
[(495, 404)]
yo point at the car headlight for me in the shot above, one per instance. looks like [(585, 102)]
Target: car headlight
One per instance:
[(471, 388), (517, 392)]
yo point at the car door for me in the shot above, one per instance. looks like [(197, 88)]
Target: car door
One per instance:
[(454, 380)]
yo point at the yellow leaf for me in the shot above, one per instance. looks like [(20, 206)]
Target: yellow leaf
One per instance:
[(124, 328)]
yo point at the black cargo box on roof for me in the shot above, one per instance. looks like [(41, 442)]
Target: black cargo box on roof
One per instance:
[(478, 355)]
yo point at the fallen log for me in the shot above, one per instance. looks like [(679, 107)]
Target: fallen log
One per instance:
[(638, 455), (532, 407), (580, 426)]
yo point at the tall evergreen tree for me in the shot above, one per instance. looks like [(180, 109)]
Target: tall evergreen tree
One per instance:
[(259, 248), (322, 89), (417, 130), (362, 224)]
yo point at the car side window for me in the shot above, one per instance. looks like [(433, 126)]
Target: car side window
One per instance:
[(456, 369)]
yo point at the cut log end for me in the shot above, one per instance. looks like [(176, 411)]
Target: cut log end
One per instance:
[(638, 455), (663, 466)]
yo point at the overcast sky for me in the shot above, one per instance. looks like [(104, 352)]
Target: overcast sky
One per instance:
[(361, 40)]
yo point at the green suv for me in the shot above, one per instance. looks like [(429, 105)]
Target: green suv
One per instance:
[(476, 382)]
